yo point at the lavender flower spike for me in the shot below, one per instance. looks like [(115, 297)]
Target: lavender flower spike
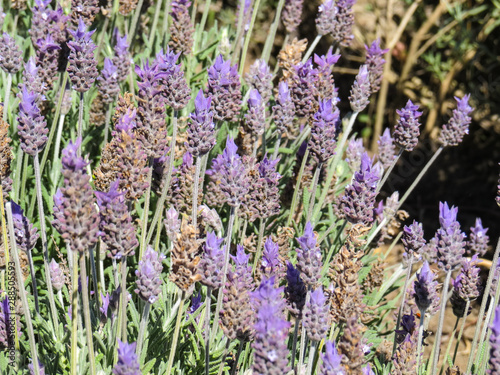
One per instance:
[(331, 361), (466, 287), (494, 360), (270, 263), (201, 129), (478, 239), (324, 131), (108, 82), (375, 62), (26, 234), (56, 275), (260, 78), (386, 149), (354, 151), (149, 276), (10, 55), (425, 290), (212, 262), (284, 110), (360, 91), (309, 261), (453, 133), (292, 14), (413, 239), (128, 363), (316, 315), (32, 126), (122, 59), (255, 117), (326, 13), (343, 22), (407, 129), (82, 67), (295, 291)]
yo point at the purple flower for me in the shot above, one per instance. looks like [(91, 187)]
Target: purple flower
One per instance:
[(478, 239), (32, 79), (172, 223), (128, 363), (260, 78), (326, 84), (354, 151), (324, 131), (466, 287), (295, 291), (303, 89), (201, 129), (26, 234), (358, 200), (181, 30), (326, 13), (270, 263), (375, 62), (292, 14), (47, 58), (360, 91), (494, 360), (255, 118), (75, 215), (309, 261), (448, 244), (413, 238), (82, 67), (386, 149), (316, 315), (331, 361), (149, 276), (6, 320), (267, 294), (284, 110), (224, 88), (122, 59), (41, 368), (343, 22), (230, 174), (108, 82), (407, 129), (32, 126), (454, 131), (425, 290), (212, 261), (242, 271), (116, 223), (10, 54), (195, 305), (174, 87), (56, 275)]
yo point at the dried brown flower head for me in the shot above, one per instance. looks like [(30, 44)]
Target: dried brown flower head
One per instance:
[(291, 55), (350, 346), (5, 155), (124, 103), (97, 111), (127, 7)]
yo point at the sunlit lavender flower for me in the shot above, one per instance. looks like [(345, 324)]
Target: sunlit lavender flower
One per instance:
[(75, 214), (56, 275), (32, 79), (386, 149), (354, 151), (331, 361), (26, 234), (478, 239), (407, 129), (182, 29), (40, 20), (448, 244), (375, 62), (360, 91), (316, 315), (358, 200), (128, 363), (230, 174), (303, 89), (413, 239), (108, 82), (324, 130), (149, 275), (268, 294), (271, 264), (10, 54), (309, 261), (196, 303), (326, 13), (255, 118), (425, 290), (242, 271), (260, 78), (201, 129), (326, 84), (284, 110), (82, 67), (174, 87), (121, 59), (224, 88), (116, 223), (343, 22), (271, 330), (494, 360), (32, 126), (295, 291), (172, 223), (291, 14), (466, 287), (47, 55), (454, 131), (212, 261)]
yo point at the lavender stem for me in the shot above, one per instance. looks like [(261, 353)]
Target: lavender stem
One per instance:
[(195, 191), (247, 36), (80, 123), (22, 292), (420, 336), (106, 124), (403, 299), (152, 31), (135, 18), (145, 212), (33, 281), (277, 147), (388, 172), (86, 312), (237, 359), (460, 333), (314, 187), (206, 9), (142, 328), (165, 21), (74, 318), (297, 188), (176, 333), (311, 48), (208, 301), (7, 96), (312, 353), (303, 336), (268, 45), (294, 342), (57, 149), (17, 177), (258, 253), (123, 295)]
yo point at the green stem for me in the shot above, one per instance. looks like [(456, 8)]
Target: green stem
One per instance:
[(57, 148), (277, 147), (437, 343), (271, 36), (294, 342), (303, 336), (297, 188), (123, 269), (223, 362), (80, 124), (168, 180), (74, 318), (239, 33), (247, 36), (312, 353), (237, 359), (311, 48), (195, 192), (314, 187), (142, 328), (173, 347), (165, 20), (33, 280), (339, 152), (145, 212), (7, 96), (259, 244), (450, 342), (403, 299), (205, 15), (215, 324), (22, 292), (488, 322), (152, 31), (101, 38), (86, 312), (462, 327), (135, 18), (208, 301), (420, 336), (24, 177), (388, 172), (106, 124), (17, 177), (43, 231), (93, 269)]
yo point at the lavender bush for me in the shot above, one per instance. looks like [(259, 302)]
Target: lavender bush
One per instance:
[(153, 238)]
